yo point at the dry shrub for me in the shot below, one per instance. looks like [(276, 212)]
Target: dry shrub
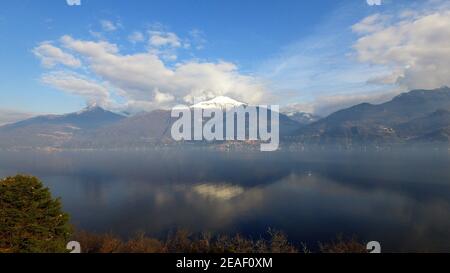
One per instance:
[(236, 244), (340, 245), (182, 241), (179, 242), (142, 244), (279, 243), (90, 243), (110, 244)]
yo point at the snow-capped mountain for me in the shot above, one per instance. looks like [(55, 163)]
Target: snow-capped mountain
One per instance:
[(302, 117), (223, 103), (416, 116)]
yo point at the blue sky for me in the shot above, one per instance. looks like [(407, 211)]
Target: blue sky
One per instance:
[(141, 55)]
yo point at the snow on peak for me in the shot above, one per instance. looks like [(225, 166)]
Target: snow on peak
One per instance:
[(220, 102), (303, 114)]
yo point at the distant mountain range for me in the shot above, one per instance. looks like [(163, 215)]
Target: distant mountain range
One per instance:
[(88, 118), (415, 117), (55, 130), (154, 128)]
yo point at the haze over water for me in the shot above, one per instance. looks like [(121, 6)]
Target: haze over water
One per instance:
[(401, 199)]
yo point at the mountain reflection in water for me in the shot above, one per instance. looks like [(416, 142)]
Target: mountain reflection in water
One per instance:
[(401, 199)]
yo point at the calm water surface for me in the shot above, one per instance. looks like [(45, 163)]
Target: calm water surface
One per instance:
[(401, 199)]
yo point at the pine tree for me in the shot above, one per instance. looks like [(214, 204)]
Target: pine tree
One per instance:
[(31, 221)]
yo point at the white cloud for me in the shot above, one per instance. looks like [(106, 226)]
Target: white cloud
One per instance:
[(197, 38), (373, 2), (136, 37), (161, 39), (78, 85), (370, 24), (109, 25), (318, 67), (144, 81), (403, 48), (164, 43), (51, 56), (162, 98), (73, 2), (89, 49), (415, 49)]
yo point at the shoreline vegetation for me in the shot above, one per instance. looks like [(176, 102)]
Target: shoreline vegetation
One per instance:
[(32, 221), (182, 241)]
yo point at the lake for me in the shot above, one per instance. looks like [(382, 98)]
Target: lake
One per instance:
[(399, 198)]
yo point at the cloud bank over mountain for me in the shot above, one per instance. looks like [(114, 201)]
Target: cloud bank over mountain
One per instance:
[(98, 71), (394, 48), (346, 58)]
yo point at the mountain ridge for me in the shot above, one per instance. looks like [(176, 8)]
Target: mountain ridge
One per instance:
[(415, 116), (366, 123)]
